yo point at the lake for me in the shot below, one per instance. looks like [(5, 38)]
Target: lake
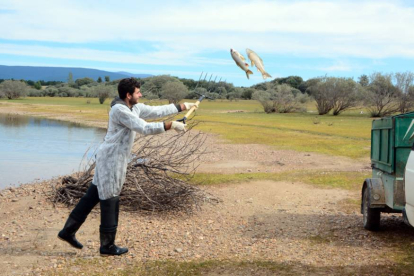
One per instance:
[(36, 149)]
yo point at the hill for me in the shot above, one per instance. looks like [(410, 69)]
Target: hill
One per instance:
[(36, 73)]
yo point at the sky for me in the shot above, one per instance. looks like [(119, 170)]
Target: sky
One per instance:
[(184, 38)]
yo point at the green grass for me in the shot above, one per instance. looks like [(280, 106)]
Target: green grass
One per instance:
[(345, 135), (224, 267), (171, 267), (343, 180)]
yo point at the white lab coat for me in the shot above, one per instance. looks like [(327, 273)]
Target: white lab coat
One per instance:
[(113, 154)]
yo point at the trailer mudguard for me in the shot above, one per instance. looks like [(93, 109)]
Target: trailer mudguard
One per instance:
[(377, 199)]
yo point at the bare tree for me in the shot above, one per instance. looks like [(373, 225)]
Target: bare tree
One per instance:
[(404, 83), (381, 95), (13, 89), (345, 95), (336, 94), (104, 91), (322, 91)]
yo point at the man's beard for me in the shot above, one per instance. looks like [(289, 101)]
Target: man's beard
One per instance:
[(133, 102)]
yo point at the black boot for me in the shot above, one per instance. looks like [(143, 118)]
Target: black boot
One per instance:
[(107, 245), (78, 216), (109, 224), (67, 234)]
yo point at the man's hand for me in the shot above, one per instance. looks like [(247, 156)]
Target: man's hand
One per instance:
[(190, 105), (178, 126)]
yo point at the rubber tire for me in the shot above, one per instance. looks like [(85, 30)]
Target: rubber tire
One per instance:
[(371, 216)]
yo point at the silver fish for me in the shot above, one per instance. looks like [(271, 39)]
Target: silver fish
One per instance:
[(241, 62), (258, 62)]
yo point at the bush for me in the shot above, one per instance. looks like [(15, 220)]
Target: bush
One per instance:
[(282, 98), (51, 92), (35, 93), (67, 91)]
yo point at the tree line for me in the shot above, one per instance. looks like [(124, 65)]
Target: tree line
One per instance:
[(382, 94)]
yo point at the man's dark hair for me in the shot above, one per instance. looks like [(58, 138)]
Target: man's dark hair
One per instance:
[(127, 86)]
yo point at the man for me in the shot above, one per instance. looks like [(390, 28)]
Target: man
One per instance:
[(125, 119)]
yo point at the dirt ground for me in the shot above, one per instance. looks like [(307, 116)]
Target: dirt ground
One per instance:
[(300, 228), (297, 225)]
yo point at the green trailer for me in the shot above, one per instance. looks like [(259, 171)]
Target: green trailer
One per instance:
[(391, 145)]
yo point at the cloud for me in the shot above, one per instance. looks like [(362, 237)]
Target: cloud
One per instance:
[(179, 30), (151, 58), (340, 66)]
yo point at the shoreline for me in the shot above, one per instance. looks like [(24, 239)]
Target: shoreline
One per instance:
[(10, 108), (7, 108)]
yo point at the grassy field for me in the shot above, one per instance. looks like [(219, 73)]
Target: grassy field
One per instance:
[(242, 122)]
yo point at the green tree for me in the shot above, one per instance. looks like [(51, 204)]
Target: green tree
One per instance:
[(293, 81), (152, 88), (363, 80), (71, 82), (247, 93), (84, 81), (174, 91), (195, 94), (99, 80), (304, 86), (38, 85), (107, 79)]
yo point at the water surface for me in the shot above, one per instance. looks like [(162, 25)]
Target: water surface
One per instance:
[(35, 148)]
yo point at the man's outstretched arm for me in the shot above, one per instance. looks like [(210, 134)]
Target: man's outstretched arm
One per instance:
[(153, 112)]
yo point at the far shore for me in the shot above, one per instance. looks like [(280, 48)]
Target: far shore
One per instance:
[(20, 109)]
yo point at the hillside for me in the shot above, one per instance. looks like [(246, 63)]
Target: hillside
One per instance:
[(36, 73)]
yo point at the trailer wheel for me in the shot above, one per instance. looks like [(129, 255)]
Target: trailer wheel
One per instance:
[(371, 216)]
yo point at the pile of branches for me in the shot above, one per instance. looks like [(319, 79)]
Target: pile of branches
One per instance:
[(157, 176)]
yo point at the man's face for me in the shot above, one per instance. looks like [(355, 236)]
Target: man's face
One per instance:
[(134, 98)]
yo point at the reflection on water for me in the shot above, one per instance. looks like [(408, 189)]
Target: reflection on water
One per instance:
[(34, 148)]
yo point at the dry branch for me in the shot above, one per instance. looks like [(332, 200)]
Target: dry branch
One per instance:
[(157, 177)]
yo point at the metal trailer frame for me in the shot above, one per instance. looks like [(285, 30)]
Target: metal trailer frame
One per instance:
[(391, 144)]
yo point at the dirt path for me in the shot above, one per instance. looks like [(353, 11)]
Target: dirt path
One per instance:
[(287, 223), (237, 158)]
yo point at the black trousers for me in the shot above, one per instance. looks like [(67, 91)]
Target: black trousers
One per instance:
[(109, 209)]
